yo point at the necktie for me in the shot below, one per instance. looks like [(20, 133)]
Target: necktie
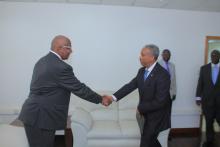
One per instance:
[(145, 74), (215, 71), (167, 67)]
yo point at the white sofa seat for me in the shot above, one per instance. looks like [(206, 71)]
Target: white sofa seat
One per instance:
[(99, 130), (12, 136), (114, 126), (129, 129)]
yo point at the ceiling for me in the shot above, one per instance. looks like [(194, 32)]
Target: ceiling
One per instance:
[(195, 5)]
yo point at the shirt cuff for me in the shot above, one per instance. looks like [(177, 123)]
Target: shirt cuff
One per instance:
[(198, 98), (114, 98)]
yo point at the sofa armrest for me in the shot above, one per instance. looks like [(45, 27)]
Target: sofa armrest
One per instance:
[(83, 118), (163, 137)]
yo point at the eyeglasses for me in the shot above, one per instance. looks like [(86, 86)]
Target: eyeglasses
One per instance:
[(66, 47)]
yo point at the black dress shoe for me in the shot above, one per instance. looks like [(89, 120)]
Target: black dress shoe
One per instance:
[(208, 144)]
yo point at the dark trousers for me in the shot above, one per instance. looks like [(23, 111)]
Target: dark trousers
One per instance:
[(209, 128), (210, 133), (39, 137), (211, 115), (149, 139), (148, 134)]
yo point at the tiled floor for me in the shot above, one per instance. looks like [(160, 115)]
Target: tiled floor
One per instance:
[(184, 142), (217, 139), (175, 142)]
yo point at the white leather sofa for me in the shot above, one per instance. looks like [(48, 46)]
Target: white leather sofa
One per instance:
[(12, 136), (114, 126)]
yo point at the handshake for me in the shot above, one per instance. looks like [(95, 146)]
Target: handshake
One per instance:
[(107, 100)]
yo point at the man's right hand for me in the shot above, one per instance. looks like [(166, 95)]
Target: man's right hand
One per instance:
[(198, 102), (106, 100)]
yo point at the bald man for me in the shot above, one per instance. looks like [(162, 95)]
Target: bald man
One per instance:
[(208, 95), (46, 108)]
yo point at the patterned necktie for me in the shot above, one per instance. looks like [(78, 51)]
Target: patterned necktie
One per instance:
[(145, 74), (215, 71)]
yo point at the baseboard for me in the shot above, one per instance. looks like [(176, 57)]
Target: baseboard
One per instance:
[(185, 132)]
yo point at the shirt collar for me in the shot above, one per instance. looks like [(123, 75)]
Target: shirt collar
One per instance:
[(151, 67), (165, 62), (56, 54), (215, 64)]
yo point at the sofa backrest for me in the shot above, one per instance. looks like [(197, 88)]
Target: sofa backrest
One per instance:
[(125, 109), (128, 106), (97, 111)]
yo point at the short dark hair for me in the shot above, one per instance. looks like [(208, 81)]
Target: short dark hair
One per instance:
[(166, 50)]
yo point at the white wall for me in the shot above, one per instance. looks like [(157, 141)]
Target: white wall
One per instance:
[(107, 42)]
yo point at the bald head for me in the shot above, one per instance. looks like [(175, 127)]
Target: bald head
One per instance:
[(62, 46), (59, 41)]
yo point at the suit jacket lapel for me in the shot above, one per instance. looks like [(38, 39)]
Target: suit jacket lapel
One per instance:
[(150, 78), (147, 81), (141, 79), (218, 78), (151, 75), (209, 73)]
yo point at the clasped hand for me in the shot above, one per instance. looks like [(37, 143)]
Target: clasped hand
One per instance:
[(106, 100)]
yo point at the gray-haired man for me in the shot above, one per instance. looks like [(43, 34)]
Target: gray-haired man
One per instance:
[(153, 83)]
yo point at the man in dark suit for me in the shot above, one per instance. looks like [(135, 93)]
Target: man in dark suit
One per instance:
[(153, 83), (208, 94), (46, 108)]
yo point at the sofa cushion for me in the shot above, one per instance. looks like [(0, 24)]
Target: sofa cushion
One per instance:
[(105, 114), (127, 114), (129, 129), (98, 111), (12, 136), (128, 106), (76, 102), (130, 101), (105, 129), (82, 117), (114, 142)]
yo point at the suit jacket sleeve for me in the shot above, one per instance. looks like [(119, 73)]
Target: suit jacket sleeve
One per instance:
[(126, 89), (162, 96), (68, 81), (199, 89)]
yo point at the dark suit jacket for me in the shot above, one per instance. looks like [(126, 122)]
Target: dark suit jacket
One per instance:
[(209, 92), (52, 83), (154, 97)]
